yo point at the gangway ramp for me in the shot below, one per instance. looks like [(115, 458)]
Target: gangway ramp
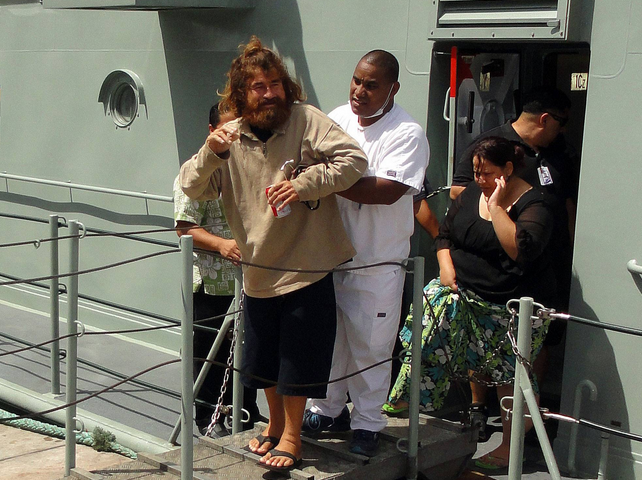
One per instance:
[(444, 450)]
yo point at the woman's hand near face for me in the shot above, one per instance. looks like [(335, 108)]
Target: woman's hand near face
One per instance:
[(505, 228), (498, 194)]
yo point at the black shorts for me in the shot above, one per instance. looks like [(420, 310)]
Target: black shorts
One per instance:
[(289, 339)]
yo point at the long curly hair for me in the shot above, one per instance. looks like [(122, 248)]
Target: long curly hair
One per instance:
[(255, 56)]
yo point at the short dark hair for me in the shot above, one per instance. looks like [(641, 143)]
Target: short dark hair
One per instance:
[(544, 100), (254, 56), (499, 151), (384, 60), (215, 115)]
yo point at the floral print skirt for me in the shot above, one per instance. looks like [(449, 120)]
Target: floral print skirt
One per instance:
[(465, 333)]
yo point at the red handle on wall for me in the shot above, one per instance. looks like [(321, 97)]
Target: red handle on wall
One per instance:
[(453, 72)]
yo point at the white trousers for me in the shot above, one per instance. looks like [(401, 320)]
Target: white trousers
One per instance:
[(368, 310)]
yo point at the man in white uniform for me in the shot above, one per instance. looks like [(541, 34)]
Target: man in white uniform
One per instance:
[(378, 216)]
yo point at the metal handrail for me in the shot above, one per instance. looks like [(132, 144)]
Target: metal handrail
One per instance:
[(77, 186), (633, 267)]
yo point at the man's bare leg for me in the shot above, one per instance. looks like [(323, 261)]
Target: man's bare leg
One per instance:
[(478, 390), (291, 434), (275, 425)]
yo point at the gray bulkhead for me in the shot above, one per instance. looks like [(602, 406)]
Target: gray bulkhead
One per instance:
[(608, 236), (53, 62)]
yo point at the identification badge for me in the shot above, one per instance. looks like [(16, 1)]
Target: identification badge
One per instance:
[(544, 175)]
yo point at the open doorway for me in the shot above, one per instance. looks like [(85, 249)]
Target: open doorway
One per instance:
[(491, 82)]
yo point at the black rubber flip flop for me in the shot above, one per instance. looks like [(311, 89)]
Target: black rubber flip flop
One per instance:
[(263, 439), (278, 453)]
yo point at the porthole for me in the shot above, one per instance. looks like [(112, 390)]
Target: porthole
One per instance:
[(122, 94), (123, 105)]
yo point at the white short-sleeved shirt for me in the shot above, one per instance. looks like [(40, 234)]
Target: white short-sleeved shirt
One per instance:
[(397, 149)]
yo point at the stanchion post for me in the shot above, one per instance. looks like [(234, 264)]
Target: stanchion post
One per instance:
[(540, 429), (415, 367), (237, 390), (72, 351), (517, 424), (187, 360), (54, 305)]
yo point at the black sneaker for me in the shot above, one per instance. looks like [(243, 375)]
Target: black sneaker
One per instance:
[(364, 442), (478, 419), (315, 422)]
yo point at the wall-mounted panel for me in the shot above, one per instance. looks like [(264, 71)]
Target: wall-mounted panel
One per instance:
[(499, 20)]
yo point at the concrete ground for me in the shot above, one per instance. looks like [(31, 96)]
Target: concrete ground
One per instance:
[(31, 456)]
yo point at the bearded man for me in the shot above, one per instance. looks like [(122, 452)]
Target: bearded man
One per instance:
[(277, 167)]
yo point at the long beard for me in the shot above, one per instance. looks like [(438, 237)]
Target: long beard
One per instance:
[(270, 118)]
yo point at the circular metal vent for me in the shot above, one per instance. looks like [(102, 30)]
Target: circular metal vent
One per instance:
[(121, 94)]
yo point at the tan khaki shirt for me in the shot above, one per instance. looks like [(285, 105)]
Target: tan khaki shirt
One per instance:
[(305, 239)]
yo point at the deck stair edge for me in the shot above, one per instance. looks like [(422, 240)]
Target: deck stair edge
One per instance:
[(444, 448)]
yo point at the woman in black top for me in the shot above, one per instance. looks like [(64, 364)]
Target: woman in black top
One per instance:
[(491, 248), (494, 237)]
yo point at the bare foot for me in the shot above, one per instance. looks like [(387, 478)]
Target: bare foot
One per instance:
[(276, 460), (396, 408), (263, 443)]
